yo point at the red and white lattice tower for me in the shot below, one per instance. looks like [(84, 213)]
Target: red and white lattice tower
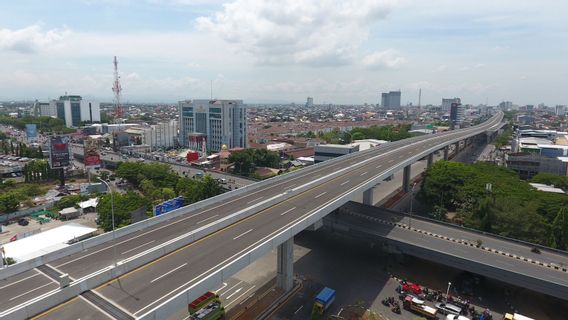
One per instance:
[(117, 89)]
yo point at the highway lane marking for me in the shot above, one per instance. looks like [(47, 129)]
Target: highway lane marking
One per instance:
[(242, 234), (244, 300), (391, 161), (215, 216), (278, 231), (95, 306), (138, 247), (59, 306), (298, 310), (188, 217), (292, 186), (135, 237), (222, 287), (202, 212), (377, 167), (232, 294), (21, 280), (255, 200), (237, 298), (23, 294), (228, 290), (243, 220), (285, 212), (319, 195), (364, 173), (169, 272), (345, 182)]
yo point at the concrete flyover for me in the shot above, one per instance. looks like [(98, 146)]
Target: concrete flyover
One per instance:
[(167, 261), (496, 257)]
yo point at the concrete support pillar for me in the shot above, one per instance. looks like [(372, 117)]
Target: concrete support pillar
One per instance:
[(406, 179), (285, 262), (368, 197), (430, 160), (457, 146), (446, 153)]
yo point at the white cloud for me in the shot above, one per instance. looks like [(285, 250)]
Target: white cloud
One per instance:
[(133, 76), (317, 32), (31, 39), (383, 59)]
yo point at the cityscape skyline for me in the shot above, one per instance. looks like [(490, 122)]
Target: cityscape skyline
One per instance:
[(285, 51)]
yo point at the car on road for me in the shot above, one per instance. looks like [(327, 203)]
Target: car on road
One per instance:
[(448, 308), (454, 317), (23, 222)]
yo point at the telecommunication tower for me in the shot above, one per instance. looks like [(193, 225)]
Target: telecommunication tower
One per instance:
[(117, 89)]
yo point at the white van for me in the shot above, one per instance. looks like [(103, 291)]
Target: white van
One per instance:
[(454, 317), (447, 308)]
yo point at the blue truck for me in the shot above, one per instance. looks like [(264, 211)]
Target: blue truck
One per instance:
[(323, 300)]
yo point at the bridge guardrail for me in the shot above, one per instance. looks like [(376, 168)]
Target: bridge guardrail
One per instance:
[(144, 224), (166, 308), (488, 234), (58, 296), (147, 256)]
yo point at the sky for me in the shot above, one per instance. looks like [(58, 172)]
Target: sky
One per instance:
[(274, 51)]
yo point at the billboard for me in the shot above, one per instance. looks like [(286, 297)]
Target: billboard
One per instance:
[(31, 132), (58, 152), (91, 153), (168, 206)]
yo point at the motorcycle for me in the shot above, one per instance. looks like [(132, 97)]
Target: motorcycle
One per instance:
[(396, 309)]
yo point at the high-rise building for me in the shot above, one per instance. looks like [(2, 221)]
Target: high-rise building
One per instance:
[(310, 102), (221, 122), (162, 135), (390, 100), (560, 110), (74, 110), (457, 114), (447, 103), (505, 105), (46, 109)]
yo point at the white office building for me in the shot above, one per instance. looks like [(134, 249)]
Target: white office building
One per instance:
[(220, 122), (74, 110), (162, 135), (447, 103)]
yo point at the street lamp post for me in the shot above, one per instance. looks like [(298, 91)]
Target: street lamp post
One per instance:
[(112, 214), (448, 291), (411, 198)]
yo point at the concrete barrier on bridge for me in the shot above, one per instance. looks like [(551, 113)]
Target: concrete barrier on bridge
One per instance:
[(58, 296), (88, 282), (282, 235), (148, 223), (515, 277)]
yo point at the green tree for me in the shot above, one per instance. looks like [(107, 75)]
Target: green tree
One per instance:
[(69, 201), (194, 190), (8, 202), (559, 235), (551, 179), (242, 161), (124, 205)]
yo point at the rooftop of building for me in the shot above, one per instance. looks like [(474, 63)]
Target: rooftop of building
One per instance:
[(547, 188)]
